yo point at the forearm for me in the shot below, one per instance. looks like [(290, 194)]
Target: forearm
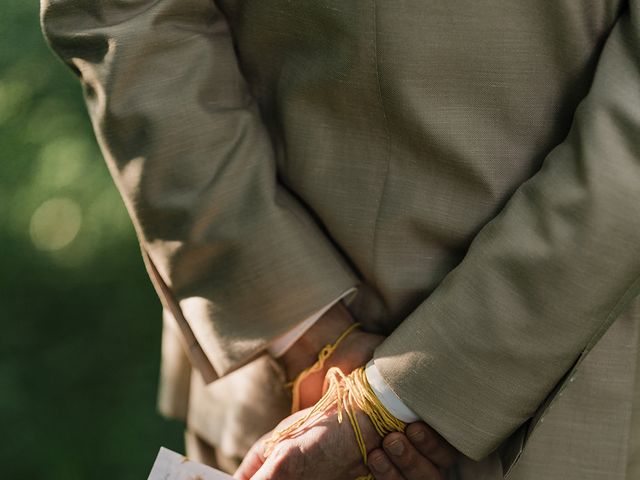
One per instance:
[(542, 281), (185, 143)]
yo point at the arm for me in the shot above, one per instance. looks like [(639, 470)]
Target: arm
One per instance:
[(279, 346), (234, 256), (299, 348), (542, 281), (538, 287)]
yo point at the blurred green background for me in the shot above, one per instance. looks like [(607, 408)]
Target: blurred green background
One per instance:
[(80, 337)]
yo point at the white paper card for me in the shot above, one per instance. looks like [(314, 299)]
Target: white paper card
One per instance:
[(173, 466)]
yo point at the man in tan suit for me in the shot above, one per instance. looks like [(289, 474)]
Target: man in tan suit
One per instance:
[(471, 168)]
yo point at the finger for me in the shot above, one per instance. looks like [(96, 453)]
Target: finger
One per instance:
[(266, 471), (430, 444), (409, 462), (381, 467), (283, 464), (252, 461)]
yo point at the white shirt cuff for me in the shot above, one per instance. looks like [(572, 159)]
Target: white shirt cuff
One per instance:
[(281, 344), (388, 397)]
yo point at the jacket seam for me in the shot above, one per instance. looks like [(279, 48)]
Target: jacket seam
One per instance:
[(387, 152)]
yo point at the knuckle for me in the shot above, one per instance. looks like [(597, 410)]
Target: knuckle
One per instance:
[(417, 432), (379, 461), (399, 451), (380, 465), (428, 444)]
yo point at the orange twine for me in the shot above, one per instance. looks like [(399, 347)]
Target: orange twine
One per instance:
[(325, 353), (346, 393)]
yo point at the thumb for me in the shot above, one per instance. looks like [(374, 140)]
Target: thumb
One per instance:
[(252, 461)]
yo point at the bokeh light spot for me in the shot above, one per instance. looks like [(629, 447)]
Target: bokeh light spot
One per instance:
[(62, 162), (55, 224)]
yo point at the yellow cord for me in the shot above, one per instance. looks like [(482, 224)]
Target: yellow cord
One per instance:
[(345, 392), (325, 353)]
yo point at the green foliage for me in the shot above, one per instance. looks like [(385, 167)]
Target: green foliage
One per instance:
[(80, 339)]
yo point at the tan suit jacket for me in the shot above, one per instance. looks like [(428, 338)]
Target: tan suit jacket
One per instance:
[(473, 166)]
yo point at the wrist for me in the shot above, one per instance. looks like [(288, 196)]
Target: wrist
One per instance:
[(326, 330)]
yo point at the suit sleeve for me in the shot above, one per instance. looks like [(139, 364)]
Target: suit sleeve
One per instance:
[(236, 256), (542, 281), (279, 346)]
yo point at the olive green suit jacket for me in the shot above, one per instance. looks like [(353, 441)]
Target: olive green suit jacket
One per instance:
[(472, 166)]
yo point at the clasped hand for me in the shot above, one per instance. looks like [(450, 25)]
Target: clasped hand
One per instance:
[(327, 449)]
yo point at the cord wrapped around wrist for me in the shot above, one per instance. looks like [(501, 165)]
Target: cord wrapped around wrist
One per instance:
[(346, 393), (323, 355)]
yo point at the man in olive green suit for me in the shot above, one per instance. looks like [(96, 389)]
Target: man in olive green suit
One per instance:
[(471, 168)]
